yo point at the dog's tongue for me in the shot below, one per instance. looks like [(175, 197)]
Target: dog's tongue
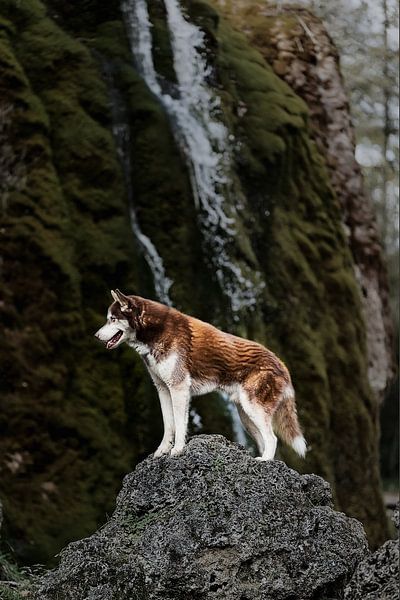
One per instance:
[(114, 339)]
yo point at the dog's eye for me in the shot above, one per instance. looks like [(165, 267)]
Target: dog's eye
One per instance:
[(113, 319)]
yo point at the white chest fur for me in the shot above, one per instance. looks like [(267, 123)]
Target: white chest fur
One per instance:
[(140, 348), (165, 368)]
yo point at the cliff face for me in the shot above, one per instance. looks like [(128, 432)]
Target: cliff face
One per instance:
[(67, 427), (299, 49), (110, 193)]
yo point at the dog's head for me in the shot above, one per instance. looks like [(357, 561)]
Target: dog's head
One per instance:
[(119, 327)]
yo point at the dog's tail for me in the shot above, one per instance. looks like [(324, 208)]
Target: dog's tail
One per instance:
[(286, 422)]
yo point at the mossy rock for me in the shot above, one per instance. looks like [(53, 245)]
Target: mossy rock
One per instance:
[(65, 402), (81, 418)]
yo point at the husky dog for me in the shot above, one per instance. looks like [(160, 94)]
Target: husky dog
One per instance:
[(187, 357)]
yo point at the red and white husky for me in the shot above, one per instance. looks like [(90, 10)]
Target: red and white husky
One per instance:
[(187, 357)]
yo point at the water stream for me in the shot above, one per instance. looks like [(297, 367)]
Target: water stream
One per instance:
[(193, 110), (121, 132), (194, 114)]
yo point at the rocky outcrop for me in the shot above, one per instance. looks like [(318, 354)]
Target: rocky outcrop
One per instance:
[(377, 576), (65, 233), (315, 75), (213, 524), (294, 280)]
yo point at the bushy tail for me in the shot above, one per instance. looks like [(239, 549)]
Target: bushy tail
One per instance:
[(286, 423)]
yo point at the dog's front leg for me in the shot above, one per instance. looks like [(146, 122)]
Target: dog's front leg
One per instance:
[(168, 418), (180, 395)]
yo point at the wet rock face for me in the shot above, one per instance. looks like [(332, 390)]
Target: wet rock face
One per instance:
[(298, 47), (214, 524), (71, 78), (316, 77), (377, 576)]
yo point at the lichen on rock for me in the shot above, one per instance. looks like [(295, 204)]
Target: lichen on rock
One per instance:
[(213, 524)]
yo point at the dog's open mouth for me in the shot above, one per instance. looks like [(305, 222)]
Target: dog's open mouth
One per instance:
[(114, 340)]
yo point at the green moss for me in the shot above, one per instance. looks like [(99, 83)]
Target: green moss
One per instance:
[(162, 192), (312, 300), (135, 525), (9, 593), (14, 582), (67, 403), (81, 417), (162, 51)]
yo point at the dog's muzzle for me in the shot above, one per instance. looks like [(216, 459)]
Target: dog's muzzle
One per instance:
[(110, 342), (114, 340)]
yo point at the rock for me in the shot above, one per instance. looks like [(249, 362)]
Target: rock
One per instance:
[(377, 576), (213, 524), (1, 523)]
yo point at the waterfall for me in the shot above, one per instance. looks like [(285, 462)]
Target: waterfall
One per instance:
[(237, 427), (162, 283), (193, 112), (120, 128)]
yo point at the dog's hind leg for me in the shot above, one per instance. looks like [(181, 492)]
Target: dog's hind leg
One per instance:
[(261, 422), (269, 438), (252, 428), (168, 418)]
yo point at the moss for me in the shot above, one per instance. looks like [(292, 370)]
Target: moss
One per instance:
[(311, 298), (84, 21), (162, 51), (162, 193), (67, 404), (14, 582), (79, 417), (135, 525), (9, 593)]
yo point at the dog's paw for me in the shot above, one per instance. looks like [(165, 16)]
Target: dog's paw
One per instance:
[(162, 450), (176, 451)]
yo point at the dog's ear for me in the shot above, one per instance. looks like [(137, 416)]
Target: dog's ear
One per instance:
[(122, 300)]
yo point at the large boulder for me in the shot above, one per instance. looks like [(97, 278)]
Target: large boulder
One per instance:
[(213, 524), (377, 576)]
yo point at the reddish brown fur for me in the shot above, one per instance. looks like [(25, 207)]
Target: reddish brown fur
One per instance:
[(208, 353), (186, 356), (286, 422)]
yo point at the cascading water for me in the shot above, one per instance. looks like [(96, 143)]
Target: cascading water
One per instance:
[(120, 128), (204, 140), (121, 132)]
